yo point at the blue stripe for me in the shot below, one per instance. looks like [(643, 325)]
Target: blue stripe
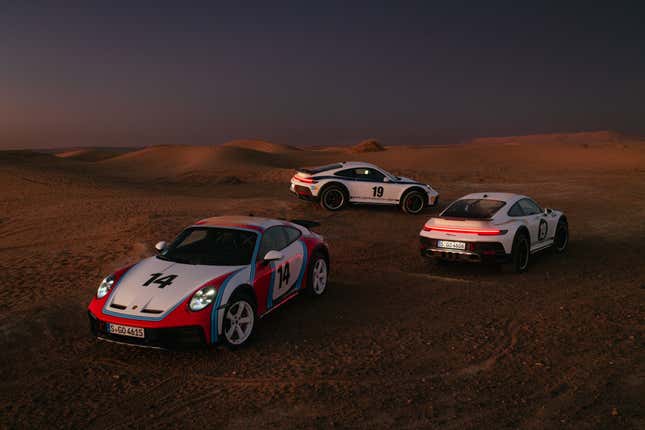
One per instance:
[(305, 262), (217, 304), (270, 295)]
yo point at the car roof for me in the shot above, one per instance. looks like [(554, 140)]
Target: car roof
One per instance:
[(504, 197), (351, 164), (241, 221)]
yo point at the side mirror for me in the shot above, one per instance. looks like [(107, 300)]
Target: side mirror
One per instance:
[(386, 179), (161, 246), (272, 255), (547, 211)]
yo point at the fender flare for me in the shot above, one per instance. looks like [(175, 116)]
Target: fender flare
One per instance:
[(336, 183), (415, 188), (321, 248)]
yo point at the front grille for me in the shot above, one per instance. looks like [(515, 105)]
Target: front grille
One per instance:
[(170, 338)]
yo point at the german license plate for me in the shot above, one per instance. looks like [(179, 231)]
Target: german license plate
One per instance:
[(125, 330), (451, 244)]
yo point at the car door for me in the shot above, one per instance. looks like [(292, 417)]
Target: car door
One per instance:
[(536, 222), (370, 185), (275, 280)]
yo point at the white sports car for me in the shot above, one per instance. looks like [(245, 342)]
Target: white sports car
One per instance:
[(494, 227), (335, 185)]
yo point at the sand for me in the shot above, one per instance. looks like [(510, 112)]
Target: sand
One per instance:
[(394, 343)]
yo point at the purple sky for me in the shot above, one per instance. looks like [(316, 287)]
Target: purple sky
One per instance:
[(410, 72)]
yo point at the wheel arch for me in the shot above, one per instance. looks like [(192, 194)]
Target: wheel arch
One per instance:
[(563, 218), (322, 249), (412, 188), (244, 288), (522, 229), (334, 183)]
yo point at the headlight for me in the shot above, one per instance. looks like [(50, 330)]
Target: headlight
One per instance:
[(105, 287), (202, 298)]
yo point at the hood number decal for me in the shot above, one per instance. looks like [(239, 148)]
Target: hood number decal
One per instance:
[(162, 282)]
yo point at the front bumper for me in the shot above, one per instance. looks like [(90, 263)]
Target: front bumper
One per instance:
[(475, 252), (168, 337)]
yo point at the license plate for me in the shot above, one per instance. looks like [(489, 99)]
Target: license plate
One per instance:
[(125, 330), (451, 244)]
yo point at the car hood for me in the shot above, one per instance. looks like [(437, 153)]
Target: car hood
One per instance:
[(131, 298)]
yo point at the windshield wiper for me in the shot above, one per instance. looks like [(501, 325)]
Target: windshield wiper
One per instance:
[(174, 260)]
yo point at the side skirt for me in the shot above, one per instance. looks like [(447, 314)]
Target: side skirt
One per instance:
[(282, 302)]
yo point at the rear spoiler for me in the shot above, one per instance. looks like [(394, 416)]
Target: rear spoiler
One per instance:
[(319, 169), (305, 223), (305, 171)]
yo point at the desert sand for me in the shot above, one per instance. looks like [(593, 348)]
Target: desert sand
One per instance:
[(394, 343)]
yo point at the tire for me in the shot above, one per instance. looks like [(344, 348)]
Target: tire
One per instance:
[(561, 238), (318, 275), (521, 252), (413, 202), (333, 198), (238, 314)]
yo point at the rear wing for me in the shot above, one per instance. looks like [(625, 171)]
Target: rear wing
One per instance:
[(320, 169), (305, 223)]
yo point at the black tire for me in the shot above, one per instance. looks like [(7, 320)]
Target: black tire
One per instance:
[(314, 279), (333, 198), (561, 238), (521, 253), (413, 202), (238, 298)]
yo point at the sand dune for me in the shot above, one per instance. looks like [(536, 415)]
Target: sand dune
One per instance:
[(369, 145), (261, 146), (498, 157), (91, 154)]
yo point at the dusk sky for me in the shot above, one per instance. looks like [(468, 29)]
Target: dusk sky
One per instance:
[(108, 73)]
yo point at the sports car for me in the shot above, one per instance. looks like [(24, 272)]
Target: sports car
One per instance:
[(211, 284), (494, 227), (335, 185)]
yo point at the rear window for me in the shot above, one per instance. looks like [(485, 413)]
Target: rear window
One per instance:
[(314, 170), (473, 208)]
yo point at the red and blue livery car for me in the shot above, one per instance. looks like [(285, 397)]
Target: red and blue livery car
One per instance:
[(211, 284)]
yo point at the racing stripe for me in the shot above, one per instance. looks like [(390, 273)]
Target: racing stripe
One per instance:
[(218, 301)]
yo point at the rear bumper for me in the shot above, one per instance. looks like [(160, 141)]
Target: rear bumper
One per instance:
[(167, 338), (302, 192), (475, 252)]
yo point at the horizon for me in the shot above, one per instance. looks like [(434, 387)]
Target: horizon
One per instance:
[(324, 75)]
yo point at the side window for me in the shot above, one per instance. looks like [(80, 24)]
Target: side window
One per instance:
[(515, 210), (292, 234), (349, 173), (273, 238), (529, 207), (369, 175)]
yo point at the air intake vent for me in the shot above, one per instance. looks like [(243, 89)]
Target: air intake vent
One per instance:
[(151, 311), (117, 306)]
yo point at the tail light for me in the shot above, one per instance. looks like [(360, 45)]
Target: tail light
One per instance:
[(305, 180), (480, 232)]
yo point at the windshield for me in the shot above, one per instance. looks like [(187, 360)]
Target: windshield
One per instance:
[(212, 246), (473, 208)]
